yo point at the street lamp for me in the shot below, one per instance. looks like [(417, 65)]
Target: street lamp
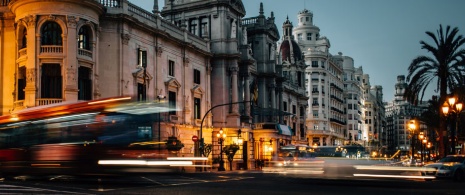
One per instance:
[(420, 137), (423, 148), (449, 107), (412, 126), (221, 136)]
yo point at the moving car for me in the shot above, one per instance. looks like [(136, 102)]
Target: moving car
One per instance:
[(451, 166)]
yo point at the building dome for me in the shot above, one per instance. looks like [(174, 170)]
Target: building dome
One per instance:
[(289, 47)]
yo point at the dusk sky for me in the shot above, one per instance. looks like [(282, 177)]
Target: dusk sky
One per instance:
[(381, 36)]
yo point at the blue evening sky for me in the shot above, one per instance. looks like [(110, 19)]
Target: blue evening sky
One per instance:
[(382, 36)]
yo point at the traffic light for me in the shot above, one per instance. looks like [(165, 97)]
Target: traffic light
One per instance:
[(201, 146)]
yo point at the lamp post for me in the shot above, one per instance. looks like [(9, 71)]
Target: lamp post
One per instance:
[(240, 142), (203, 118), (412, 126), (423, 148), (420, 137), (451, 106), (428, 145), (221, 136)]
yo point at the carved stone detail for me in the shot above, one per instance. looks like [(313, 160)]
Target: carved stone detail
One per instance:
[(125, 38), (71, 75), (72, 21), (159, 51), (31, 75), (30, 20)]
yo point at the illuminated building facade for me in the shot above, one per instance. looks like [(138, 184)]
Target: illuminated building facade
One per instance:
[(66, 51)]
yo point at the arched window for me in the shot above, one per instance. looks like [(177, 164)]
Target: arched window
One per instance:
[(24, 39), (51, 34), (84, 38)]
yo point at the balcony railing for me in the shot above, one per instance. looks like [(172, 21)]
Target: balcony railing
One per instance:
[(18, 104), (22, 52), (51, 49), (4, 2), (47, 101), (85, 52), (110, 3)]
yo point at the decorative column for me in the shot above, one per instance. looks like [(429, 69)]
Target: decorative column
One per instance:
[(234, 86), (33, 48), (70, 62), (247, 94), (233, 118)]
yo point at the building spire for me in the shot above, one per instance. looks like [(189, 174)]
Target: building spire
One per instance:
[(155, 7), (261, 9)]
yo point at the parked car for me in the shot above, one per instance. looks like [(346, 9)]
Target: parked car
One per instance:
[(451, 166)]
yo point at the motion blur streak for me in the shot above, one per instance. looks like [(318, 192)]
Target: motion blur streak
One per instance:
[(109, 100), (187, 158), (387, 168), (171, 163), (143, 162), (396, 176), (122, 162)]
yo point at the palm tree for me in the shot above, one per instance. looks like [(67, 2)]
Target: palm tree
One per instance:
[(446, 65)]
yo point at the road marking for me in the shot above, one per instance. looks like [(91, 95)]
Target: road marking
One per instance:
[(8, 189)]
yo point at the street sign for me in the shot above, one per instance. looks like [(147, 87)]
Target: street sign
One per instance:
[(195, 138)]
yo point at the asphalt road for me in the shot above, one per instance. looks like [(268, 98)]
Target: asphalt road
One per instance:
[(333, 176)]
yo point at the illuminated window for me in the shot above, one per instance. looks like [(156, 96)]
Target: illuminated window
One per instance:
[(84, 38), (142, 58)]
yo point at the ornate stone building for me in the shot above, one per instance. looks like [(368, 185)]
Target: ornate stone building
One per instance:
[(58, 51), (326, 122)]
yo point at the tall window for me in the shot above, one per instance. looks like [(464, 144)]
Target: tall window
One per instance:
[(196, 76), (172, 102), (171, 68), (21, 82), (314, 63), (299, 37), (142, 58), (197, 108), (309, 36), (193, 27), (84, 84), (24, 39), (285, 106), (51, 81), (84, 38), (204, 27), (141, 92), (51, 34), (302, 130)]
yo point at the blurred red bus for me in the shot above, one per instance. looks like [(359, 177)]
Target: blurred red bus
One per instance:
[(93, 137)]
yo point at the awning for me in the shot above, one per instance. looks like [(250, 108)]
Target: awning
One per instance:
[(284, 130)]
